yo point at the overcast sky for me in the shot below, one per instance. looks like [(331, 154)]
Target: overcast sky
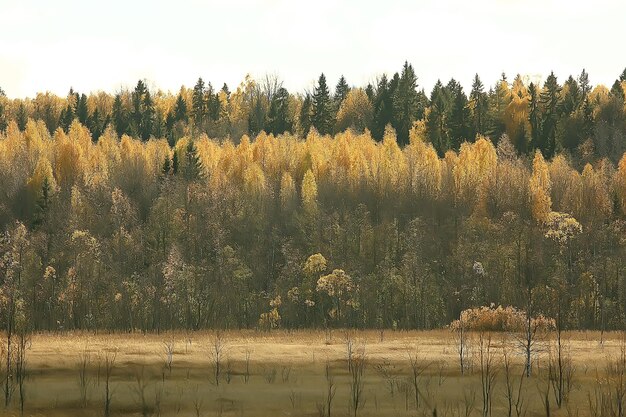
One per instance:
[(106, 45)]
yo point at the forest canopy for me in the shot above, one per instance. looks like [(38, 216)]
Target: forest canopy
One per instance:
[(365, 207)]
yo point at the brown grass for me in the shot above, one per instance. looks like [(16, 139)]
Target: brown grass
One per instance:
[(298, 359)]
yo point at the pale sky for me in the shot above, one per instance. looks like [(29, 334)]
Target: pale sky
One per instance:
[(105, 45)]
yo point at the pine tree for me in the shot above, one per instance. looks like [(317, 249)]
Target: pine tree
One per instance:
[(193, 164), (199, 105), (478, 100), (585, 87), (459, 116), (549, 99), (533, 116), (617, 92), (622, 76), (82, 112), (572, 98), (305, 115), (120, 118), (383, 108), (436, 123), (322, 118), (278, 116), (341, 91), (405, 103), (148, 117), (180, 109), (136, 116)]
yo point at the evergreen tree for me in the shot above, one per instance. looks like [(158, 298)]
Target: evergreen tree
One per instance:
[(459, 116), (136, 116), (622, 76), (405, 103), (175, 163), (436, 123), (278, 116), (617, 92), (533, 117), (67, 117), (550, 103), (478, 100), (180, 109), (198, 104), (2, 93), (82, 112), (120, 118), (585, 87), (21, 118), (193, 164), (572, 97), (369, 90), (322, 118), (305, 115), (148, 117), (341, 91), (226, 90), (383, 108)]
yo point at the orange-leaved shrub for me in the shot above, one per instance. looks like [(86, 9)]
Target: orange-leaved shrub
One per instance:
[(499, 319)]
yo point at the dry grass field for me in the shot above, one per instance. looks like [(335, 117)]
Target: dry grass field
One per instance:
[(296, 373)]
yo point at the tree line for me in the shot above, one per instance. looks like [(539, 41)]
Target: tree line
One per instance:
[(575, 118), (279, 231)]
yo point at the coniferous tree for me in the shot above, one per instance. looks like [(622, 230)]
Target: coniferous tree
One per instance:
[(405, 103), (478, 100), (278, 116), (383, 108), (82, 112), (305, 115), (369, 90), (617, 92), (199, 104), (180, 109), (341, 91), (148, 117), (550, 103), (322, 118), (459, 116), (622, 76), (534, 116), (193, 164), (120, 118), (436, 122)]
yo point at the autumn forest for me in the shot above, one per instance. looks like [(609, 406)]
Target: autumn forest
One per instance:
[(379, 206)]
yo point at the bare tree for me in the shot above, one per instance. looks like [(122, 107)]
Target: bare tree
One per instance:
[(488, 371), (109, 365), (84, 361), (514, 392), (417, 370), (331, 389), (216, 353), (357, 382)]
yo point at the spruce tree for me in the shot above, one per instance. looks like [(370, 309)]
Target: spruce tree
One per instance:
[(436, 121), (148, 116), (383, 108), (533, 117), (622, 76), (459, 116), (322, 118), (478, 100), (198, 104), (341, 91), (305, 115), (550, 104), (193, 164), (405, 103), (82, 112), (180, 109), (120, 118), (278, 115)]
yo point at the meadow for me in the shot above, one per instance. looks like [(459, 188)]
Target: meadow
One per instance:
[(318, 373)]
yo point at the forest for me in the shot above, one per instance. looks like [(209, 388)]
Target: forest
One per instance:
[(375, 207)]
